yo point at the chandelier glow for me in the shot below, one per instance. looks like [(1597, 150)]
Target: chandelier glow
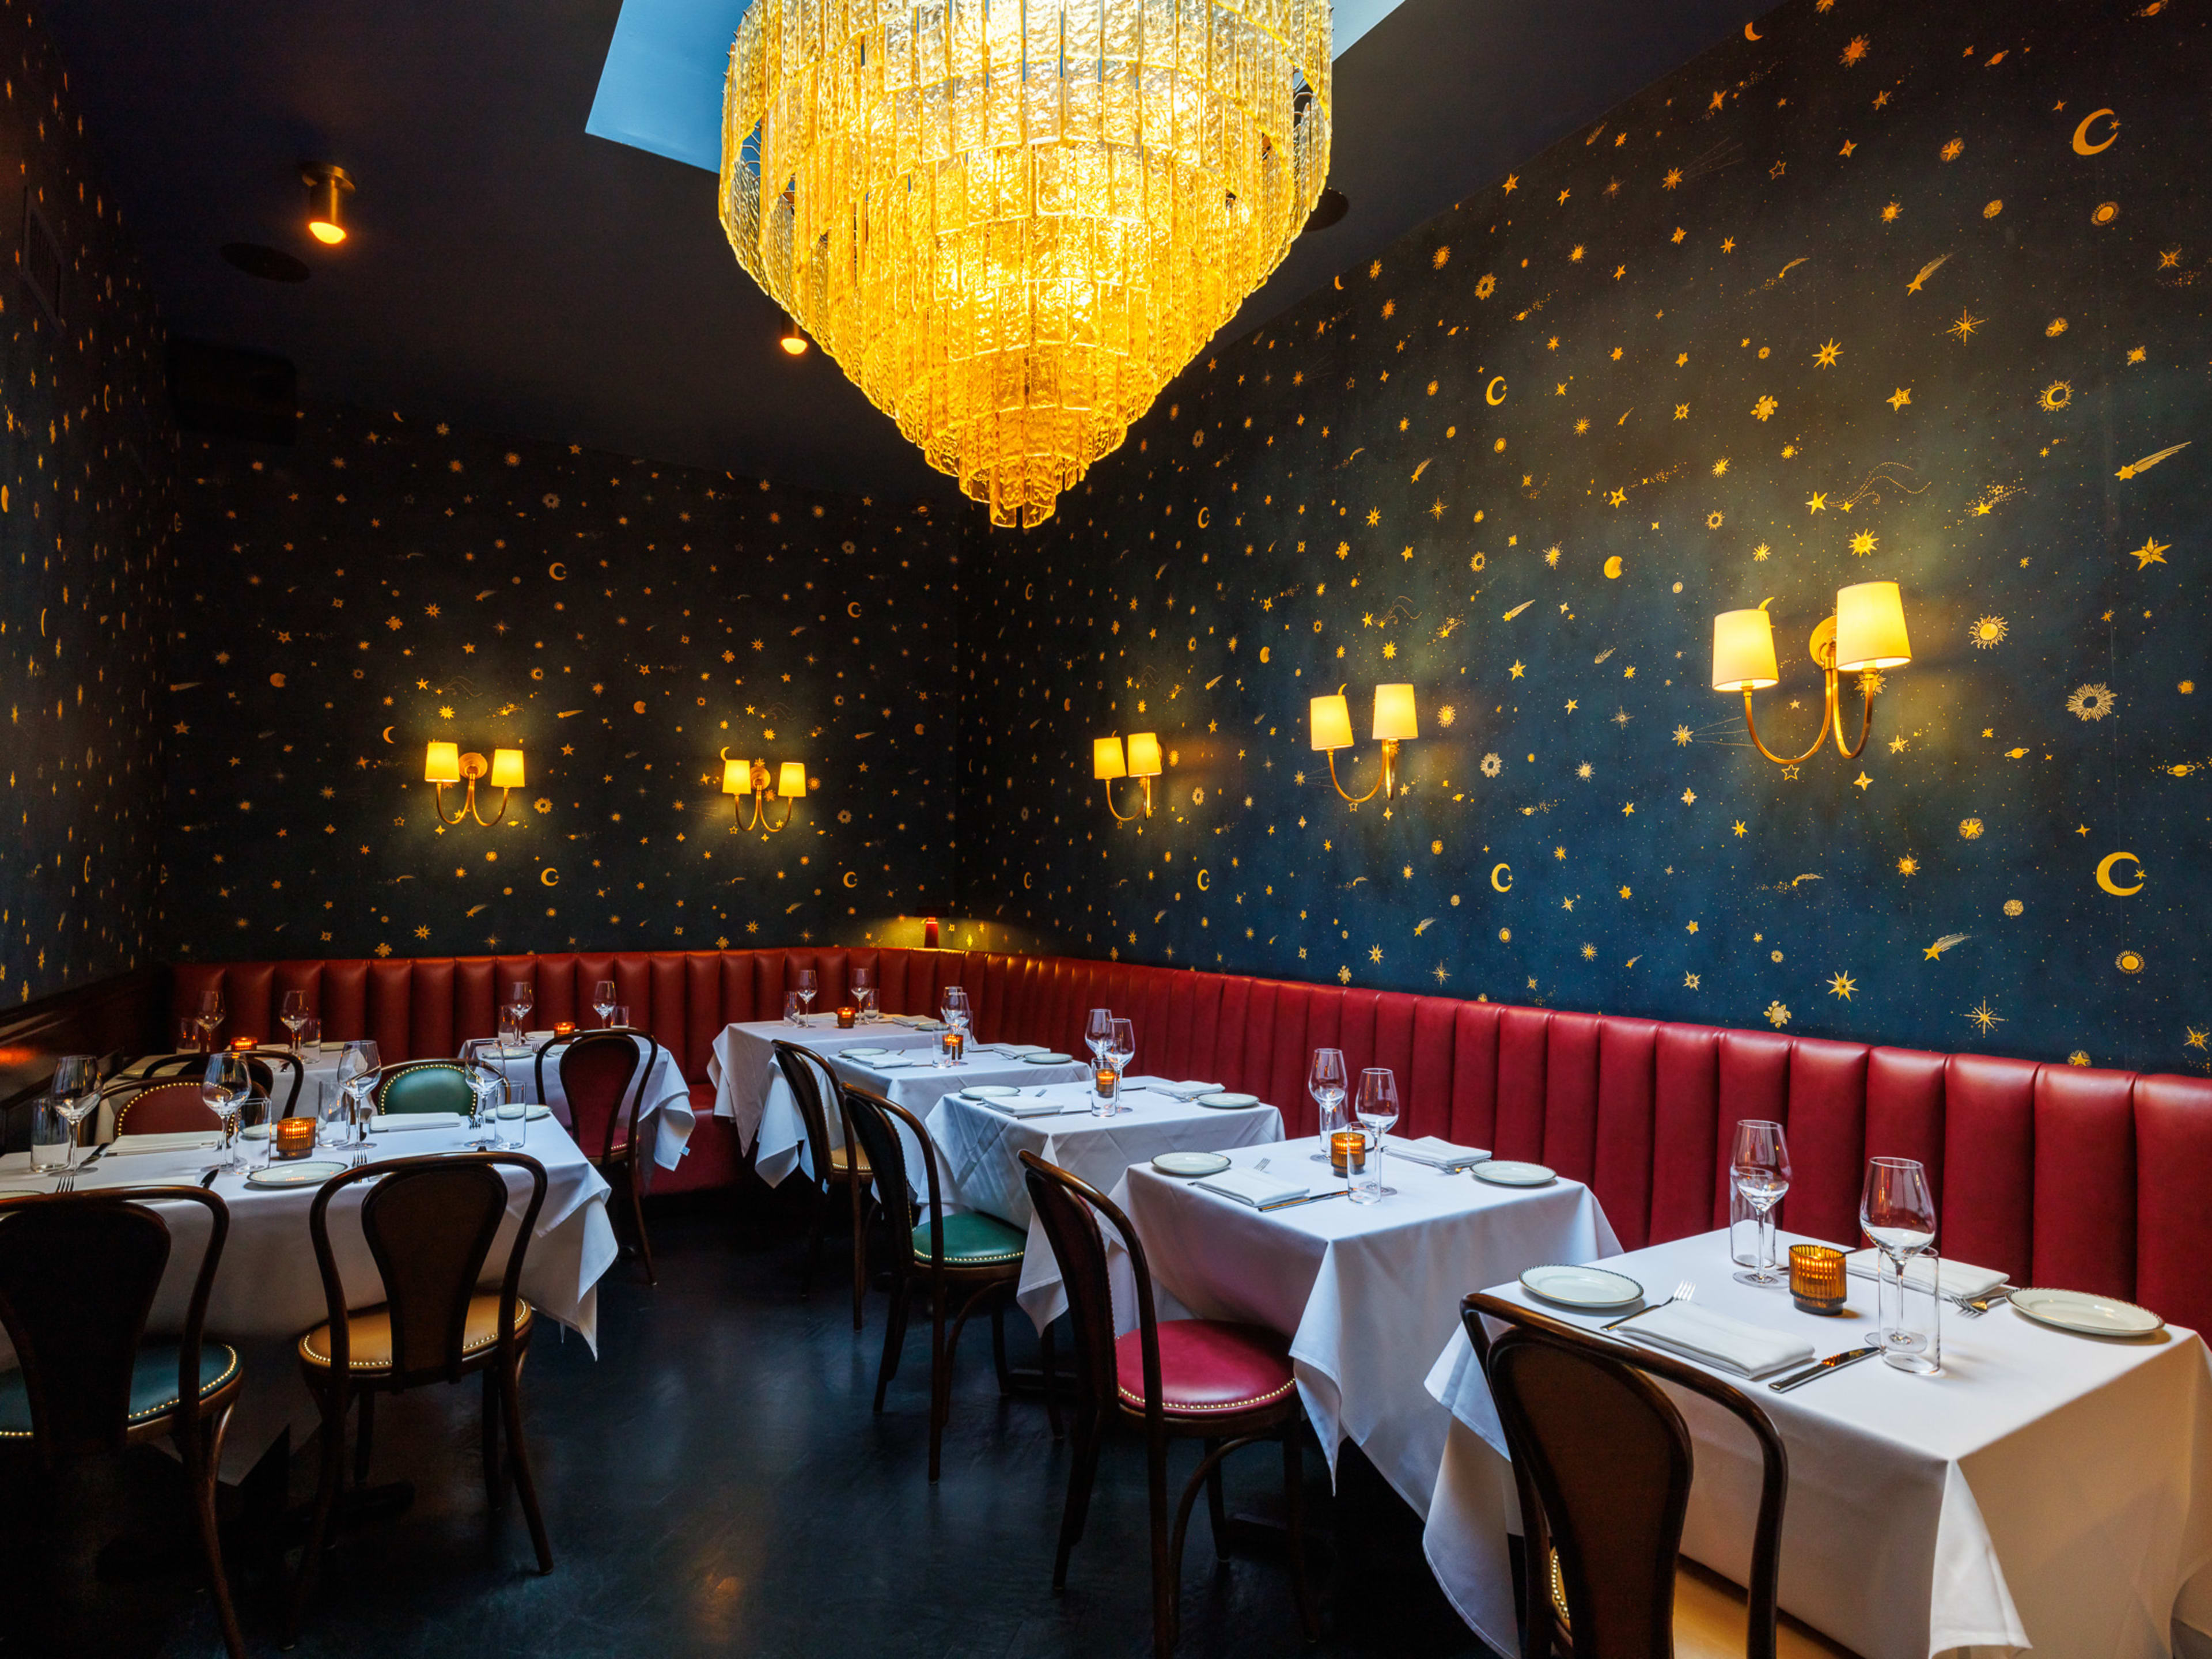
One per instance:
[(1013, 222)]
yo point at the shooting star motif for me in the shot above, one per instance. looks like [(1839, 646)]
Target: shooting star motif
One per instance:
[(1945, 944), (1924, 273), (2150, 461)]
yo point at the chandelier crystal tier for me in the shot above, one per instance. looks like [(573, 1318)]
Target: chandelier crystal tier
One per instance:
[(1013, 222)]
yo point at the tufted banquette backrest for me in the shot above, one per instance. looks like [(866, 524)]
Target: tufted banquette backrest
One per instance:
[(2093, 1180)]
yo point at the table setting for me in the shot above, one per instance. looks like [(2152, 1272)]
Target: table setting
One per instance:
[(664, 1101), (751, 1092)]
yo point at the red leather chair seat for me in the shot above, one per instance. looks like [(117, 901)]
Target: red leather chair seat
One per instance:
[(1208, 1367)]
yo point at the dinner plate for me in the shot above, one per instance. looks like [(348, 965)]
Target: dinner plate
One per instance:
[(989, 1090), (1594, 1290), (312, 1173), (1503, 1172), (1228, 1101), (1190, 1163), (537, 1112), (254, 1132), (1049, 1059), (24, 1192), (2086, 1314)]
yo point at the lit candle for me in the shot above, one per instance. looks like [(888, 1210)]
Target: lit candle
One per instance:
[(953, 1043), (846, 1016), (293, 1136), (244, 1044), (564, 1028), (1816, 1278), (1108, 1080), (1347, 1152)]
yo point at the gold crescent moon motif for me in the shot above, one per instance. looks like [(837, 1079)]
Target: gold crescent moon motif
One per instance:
[(725, 754), (387, 734), (1202, 877), (1751, 32), (1494, 393), (852, 607), (558, 570), (549, 876), (1613, 567), (1506, 870), (2082, 145), (1026, 879), (852, 878), (1202, 512), (1026, 587), (2105, 874)]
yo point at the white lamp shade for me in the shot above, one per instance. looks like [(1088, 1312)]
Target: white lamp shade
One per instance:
[(736, 777), (1332, 722), (1106, 761), (1870, 628), (792, 786), (1144, 754), (442, 763), (1394, 711), (1743, 652), (507, 768)]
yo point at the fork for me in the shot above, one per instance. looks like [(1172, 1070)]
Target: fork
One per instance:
[(1973, 1307), (1683, 1291), (66, 1181)]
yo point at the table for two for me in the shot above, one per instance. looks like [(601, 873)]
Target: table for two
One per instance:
[(661, 1098)]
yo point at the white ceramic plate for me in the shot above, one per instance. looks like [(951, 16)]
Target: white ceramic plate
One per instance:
[(1048, 1057), (1503, 1172), (1228, 1101), (2089, 1316), (254, 1132), (897, 1062), (1592, 1289), (24, 1192), (1190, 1163), (990, 1090), (312, 1173), (537, 1112)]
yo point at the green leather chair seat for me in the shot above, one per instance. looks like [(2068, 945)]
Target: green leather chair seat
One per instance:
[(153, 1385), (973, 1240), (427, 1089)]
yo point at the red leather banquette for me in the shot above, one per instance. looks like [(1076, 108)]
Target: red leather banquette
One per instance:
[(2092, 1180)]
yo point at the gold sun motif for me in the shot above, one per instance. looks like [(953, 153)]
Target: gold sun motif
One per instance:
[(1987, 631), (1713, 520), (2014, 907), (2106, 213), (1764, 408), (1484, 286), (1672, 180), (1778, 1015), (1908, 865), (1827, 356), (1447, 714), (2057, 395), (2091, 702), (2128, 961), (1442, 257), (1842, 984), (1890, 212), (1970, 828), (1863, 542), (1855, 52)]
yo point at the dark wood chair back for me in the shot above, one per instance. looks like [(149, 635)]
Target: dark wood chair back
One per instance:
[(154, 1106), (805, 1070), (428, 1085), (78, 1272), (1602, 1461), (1070, 1207), (873, 1121), (596, 1071), (429, 1223)]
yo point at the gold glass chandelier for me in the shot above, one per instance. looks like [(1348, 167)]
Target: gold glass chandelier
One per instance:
[(1012, 221)]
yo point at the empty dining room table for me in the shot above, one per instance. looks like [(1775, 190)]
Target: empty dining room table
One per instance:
[(2043, 1491), (750, 1090), (1366, 1292)]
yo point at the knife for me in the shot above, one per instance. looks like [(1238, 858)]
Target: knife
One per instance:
[(1310, 1198), (1822, 1368)]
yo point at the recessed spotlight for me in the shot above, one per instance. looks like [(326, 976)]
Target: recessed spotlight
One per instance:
[(326, 182), (269, 264), (793, 341)]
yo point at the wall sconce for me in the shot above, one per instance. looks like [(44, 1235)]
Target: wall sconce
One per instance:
[(326, 182), (741, 779), (1394, 722), (445, 765), (1866, 632), (1108, 762)]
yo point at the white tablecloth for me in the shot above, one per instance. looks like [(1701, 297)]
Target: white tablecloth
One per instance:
[(919, 1088), (267, 1293), (978, 1151), (749, 1089), (2045, 1490), (666, 1100), (319, 1072), (1365, 1291)]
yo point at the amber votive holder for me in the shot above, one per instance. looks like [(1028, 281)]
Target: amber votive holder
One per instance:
[(564, 1028), (953, 1043), (292, 1137), (1347, 1152), (846, 1017), (1108, 1081), (1816, 1278), (243, 1045)]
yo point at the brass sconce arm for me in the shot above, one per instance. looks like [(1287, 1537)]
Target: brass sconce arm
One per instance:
[(1120, 817), (1386, 785), (444, 766), (1820, 735)]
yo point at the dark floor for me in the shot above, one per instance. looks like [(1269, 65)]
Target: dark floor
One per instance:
[(715, 1482)]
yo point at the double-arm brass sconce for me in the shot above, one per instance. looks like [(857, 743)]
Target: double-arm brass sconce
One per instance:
[(1394, 722), (444, 764), (1866, 632), (744, 780), (1142, 760)]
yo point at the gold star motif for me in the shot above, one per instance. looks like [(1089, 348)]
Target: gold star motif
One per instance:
[(1690, 928), (1760, 553), (1689, 798), (1728, 244), (1566, 904), (1512, 183), (1628, 808), (1862, 781), (1899, 399), (1848, 146), (1777, 169), (1682, 411), (1827, 356), (1690, 980), (2194, 1038), (1863, 542), (1570, 705), (1678, 233), (1624, 893), (1616, 498), (1819, 502), (1619, 272), (1563, 197), (1889, 213), (2152, 552), (1518, 672), (1674, 174), (1842, 984), (1967, 326)]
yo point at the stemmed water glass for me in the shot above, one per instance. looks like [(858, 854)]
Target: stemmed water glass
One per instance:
[(1759, 1165), (603, 999), (1121, 1049), (357, 1068), (75, 1092), (487, 1083), (1325, 1083), (1377, 1107), (1096, 1030), (864, 994), (954, 1008), (521, 1000), (210, 1016), (806, 983), (295, 1015), (223, 1091), (1897, 1211)]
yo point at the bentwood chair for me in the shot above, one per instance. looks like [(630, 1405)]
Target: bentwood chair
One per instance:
[(966, 1254), (429, 1223), (426, 1085), (1602, 1463), (78, 1274), (1227, 1386), (596, 1069), (834, 1167), (164, 1097)]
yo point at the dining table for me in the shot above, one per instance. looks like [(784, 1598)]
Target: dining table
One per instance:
[(661, 1098), (917, 1081), (2042, 1491), (751, 1092), (1361, 1289), (268, 1290)]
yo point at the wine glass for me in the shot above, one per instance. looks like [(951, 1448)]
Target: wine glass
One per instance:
[(1376, 1108), (1096, 1031), (864, 991), (357, 1069), (1898, 1210), (189, 1037), (1760, 1165), (1121, 1049), (955, 1010), (223, 1091), (806, 983), (602, 999), (522, 998), (294, 1015), (1325, 1083), (211, 1015), (487, 1081), (75, 1092)]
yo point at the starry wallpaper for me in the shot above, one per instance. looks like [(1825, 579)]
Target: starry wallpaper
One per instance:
[(388, 581), (1874, 291), (86, 466)]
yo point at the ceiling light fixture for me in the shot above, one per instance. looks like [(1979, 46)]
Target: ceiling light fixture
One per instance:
[(1012, 225), (326, 182), (794, 339)]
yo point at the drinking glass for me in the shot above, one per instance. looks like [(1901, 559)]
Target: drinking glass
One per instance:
[(863, 983), (790, 1009), (806, 983), (1897, 1209), (522, 999), (52, 1140), (1121, 1049), (1325, 1083), (210, 1016), (333, 1112), (1760, 1168), (1376, 1108), (602, 999), (1095, 1029), (621, 1017), (955, 1010), (223, 1091), (190, 1038), (75, 1091), (294, 1015), (357, 1068), (511, 1112)]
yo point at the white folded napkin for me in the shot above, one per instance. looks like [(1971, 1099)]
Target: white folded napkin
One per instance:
[(387, 1121), (1714, 1339), (1025, 1106), (1017, 1049), (1161, 1086), (1436, 1153), (1261, 1190), (126, 1146), (897, 1062), (1960, 1278)]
